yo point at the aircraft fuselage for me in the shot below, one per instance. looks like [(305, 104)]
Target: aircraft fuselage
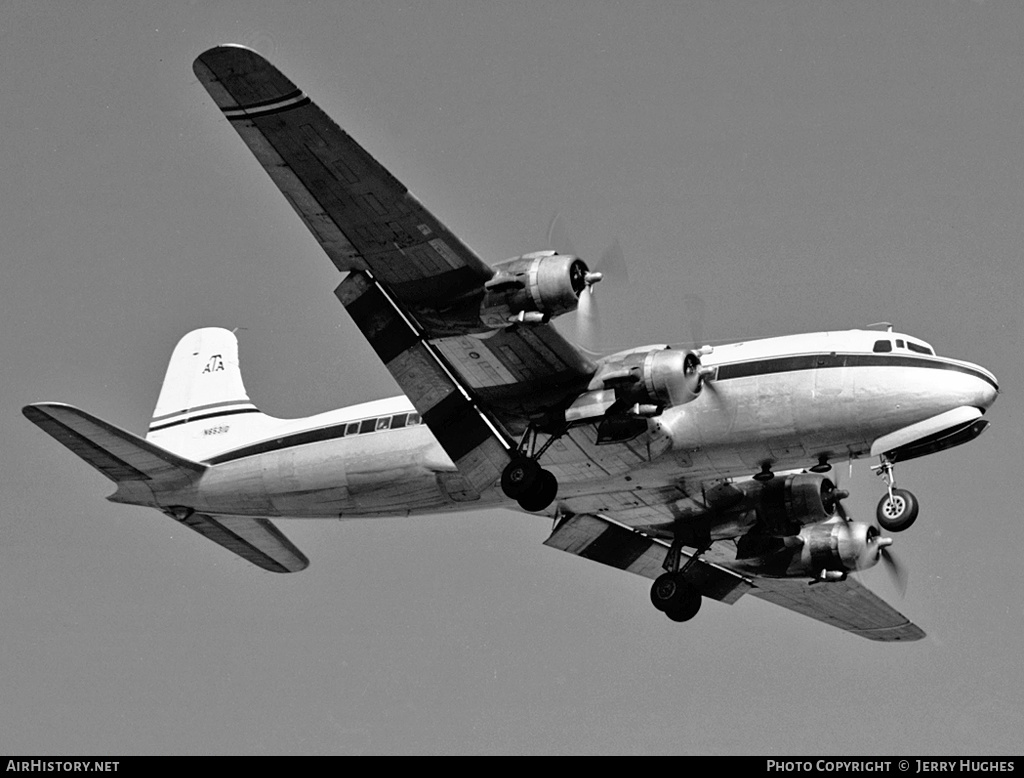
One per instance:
[(772, 404)]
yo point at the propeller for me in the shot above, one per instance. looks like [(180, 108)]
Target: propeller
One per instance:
[(897, 572), (833, 497), (611, 264)]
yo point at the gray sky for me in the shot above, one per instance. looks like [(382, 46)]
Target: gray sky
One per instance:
[(797, 165)]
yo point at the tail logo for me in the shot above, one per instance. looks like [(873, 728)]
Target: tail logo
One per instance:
[(215, 364)]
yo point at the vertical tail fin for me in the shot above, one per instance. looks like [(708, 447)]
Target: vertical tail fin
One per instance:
[(203, 407)]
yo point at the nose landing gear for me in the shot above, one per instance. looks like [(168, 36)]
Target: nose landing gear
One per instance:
[(898, 508)]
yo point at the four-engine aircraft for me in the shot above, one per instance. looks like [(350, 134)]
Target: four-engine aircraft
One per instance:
[(706, 470)]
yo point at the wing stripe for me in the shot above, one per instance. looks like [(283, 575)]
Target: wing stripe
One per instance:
[(272, 107)]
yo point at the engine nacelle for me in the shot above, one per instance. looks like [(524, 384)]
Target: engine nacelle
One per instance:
[(660, 377), (838, 546), (784, 504), (533, 288)]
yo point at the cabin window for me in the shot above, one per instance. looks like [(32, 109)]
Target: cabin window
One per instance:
[(367, 425), (899, 343), (383, 423), (882, 345), (414, 418), (919, 348), (352, 428), (398, 421)]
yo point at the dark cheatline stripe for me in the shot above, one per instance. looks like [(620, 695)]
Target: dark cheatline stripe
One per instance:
[(617, 547), (376, 318), (457, 425), (198, 408), (285, 441), (828, 360), (202, 417)]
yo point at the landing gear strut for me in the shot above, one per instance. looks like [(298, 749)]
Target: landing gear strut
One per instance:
[(524, 480), (898, 508)]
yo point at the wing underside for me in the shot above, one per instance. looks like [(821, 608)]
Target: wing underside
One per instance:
[(847, 605)]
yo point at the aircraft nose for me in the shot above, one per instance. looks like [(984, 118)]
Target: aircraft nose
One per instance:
[(988, 389)]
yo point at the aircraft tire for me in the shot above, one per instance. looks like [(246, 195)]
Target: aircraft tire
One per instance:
[(541, 494), (664, 590), (686, 608), (899, 513), (519, 477)]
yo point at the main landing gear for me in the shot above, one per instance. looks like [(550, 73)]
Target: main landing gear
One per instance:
[(898, 508), (525, 481), (671, 593)]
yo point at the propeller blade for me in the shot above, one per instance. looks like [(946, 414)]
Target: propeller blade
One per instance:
[(897, 572), (694, 309), (613, 263), (558, 236), (588, 322)]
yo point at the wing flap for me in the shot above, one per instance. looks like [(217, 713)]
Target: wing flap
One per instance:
[(255, 540), (459, 426), (117, 453), (602, 540)]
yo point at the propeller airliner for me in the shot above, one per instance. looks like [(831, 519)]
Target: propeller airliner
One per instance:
[(706, 470)]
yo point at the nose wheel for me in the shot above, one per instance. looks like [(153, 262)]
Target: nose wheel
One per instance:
[(898, 508)]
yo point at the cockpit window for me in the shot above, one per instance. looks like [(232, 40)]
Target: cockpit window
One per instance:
[(919, 348), (882, 345)]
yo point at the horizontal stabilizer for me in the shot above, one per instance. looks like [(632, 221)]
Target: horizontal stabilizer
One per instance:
[(255, 540), (117, 453)]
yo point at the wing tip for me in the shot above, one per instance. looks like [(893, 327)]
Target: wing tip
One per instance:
[(239, 78), (907, 632)]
